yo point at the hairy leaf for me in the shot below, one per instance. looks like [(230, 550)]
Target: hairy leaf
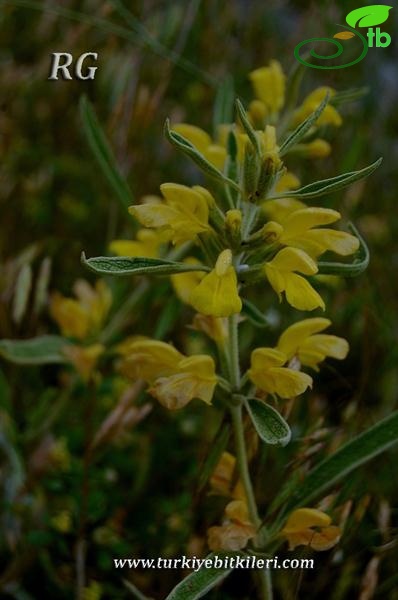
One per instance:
[(120, 265), (103, 153), (43, 350), (352, 455), (198, 583), (333, 184), (303, 128), (269, 424)]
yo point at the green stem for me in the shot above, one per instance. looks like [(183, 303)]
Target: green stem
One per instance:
[(242, 462), (234, 351), (263, 575), (122, 315)]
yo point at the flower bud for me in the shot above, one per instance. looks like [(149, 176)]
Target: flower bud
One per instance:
[(233, 223), (258, 113)]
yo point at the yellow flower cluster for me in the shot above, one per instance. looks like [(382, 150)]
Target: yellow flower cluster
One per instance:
[(284, 239), (237, 528), (81, 319), (302, 341), (310, 527), (174, 379)]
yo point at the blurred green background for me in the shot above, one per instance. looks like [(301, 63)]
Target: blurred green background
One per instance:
[(156, 60)]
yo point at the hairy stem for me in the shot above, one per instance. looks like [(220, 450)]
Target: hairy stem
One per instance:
[(263, 575)]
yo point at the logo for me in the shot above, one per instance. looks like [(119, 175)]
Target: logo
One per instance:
[(367, 16)]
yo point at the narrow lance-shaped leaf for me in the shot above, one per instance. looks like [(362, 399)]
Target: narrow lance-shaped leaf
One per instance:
[(269, 424), (247, 126), (349, 95), (180, 142), (327, 186), (352, 455), (47, 349), (253, 314), (223, 105), (197, 584), (217, 448), (303, 128), (120, 265), (103, 153), (352, 269)]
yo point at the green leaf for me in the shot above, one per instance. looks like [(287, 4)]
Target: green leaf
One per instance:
[(103, 153), (269, 424), (223, 105), (247, 126), (333, 184), (217, 448), (368, 16), (23, 288), (198, 583), (352, 269), (254, 315), (180, 142), (349, 95), (42, 282), (120, 265), (303, 128), (352, 455), (47, 349)]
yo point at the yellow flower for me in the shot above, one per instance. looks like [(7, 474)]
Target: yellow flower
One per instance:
[(288, 181), (330, 116), (174, 378), (268, 147), (280, 209), (217, 293), (236, 531), (233, 221), (183, 215), (149, 359), (214, 153), (84, 316), (84, 359), (318, 148), (268, 373), (216, 328), (300, 231), (269, 85), (223, 478), (258, 113), (310, 527), (195, 378), (281, 274), (185, 283), (147, 243), (303, 340)]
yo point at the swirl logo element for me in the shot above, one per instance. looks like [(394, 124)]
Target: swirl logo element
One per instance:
[(367, 16)]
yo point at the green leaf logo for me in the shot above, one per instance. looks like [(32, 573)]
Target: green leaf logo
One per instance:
[(368, 16)]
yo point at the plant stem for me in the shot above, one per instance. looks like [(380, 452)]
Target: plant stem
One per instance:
[(122, 315), (234, 351), (264, 575), (242, 462)]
